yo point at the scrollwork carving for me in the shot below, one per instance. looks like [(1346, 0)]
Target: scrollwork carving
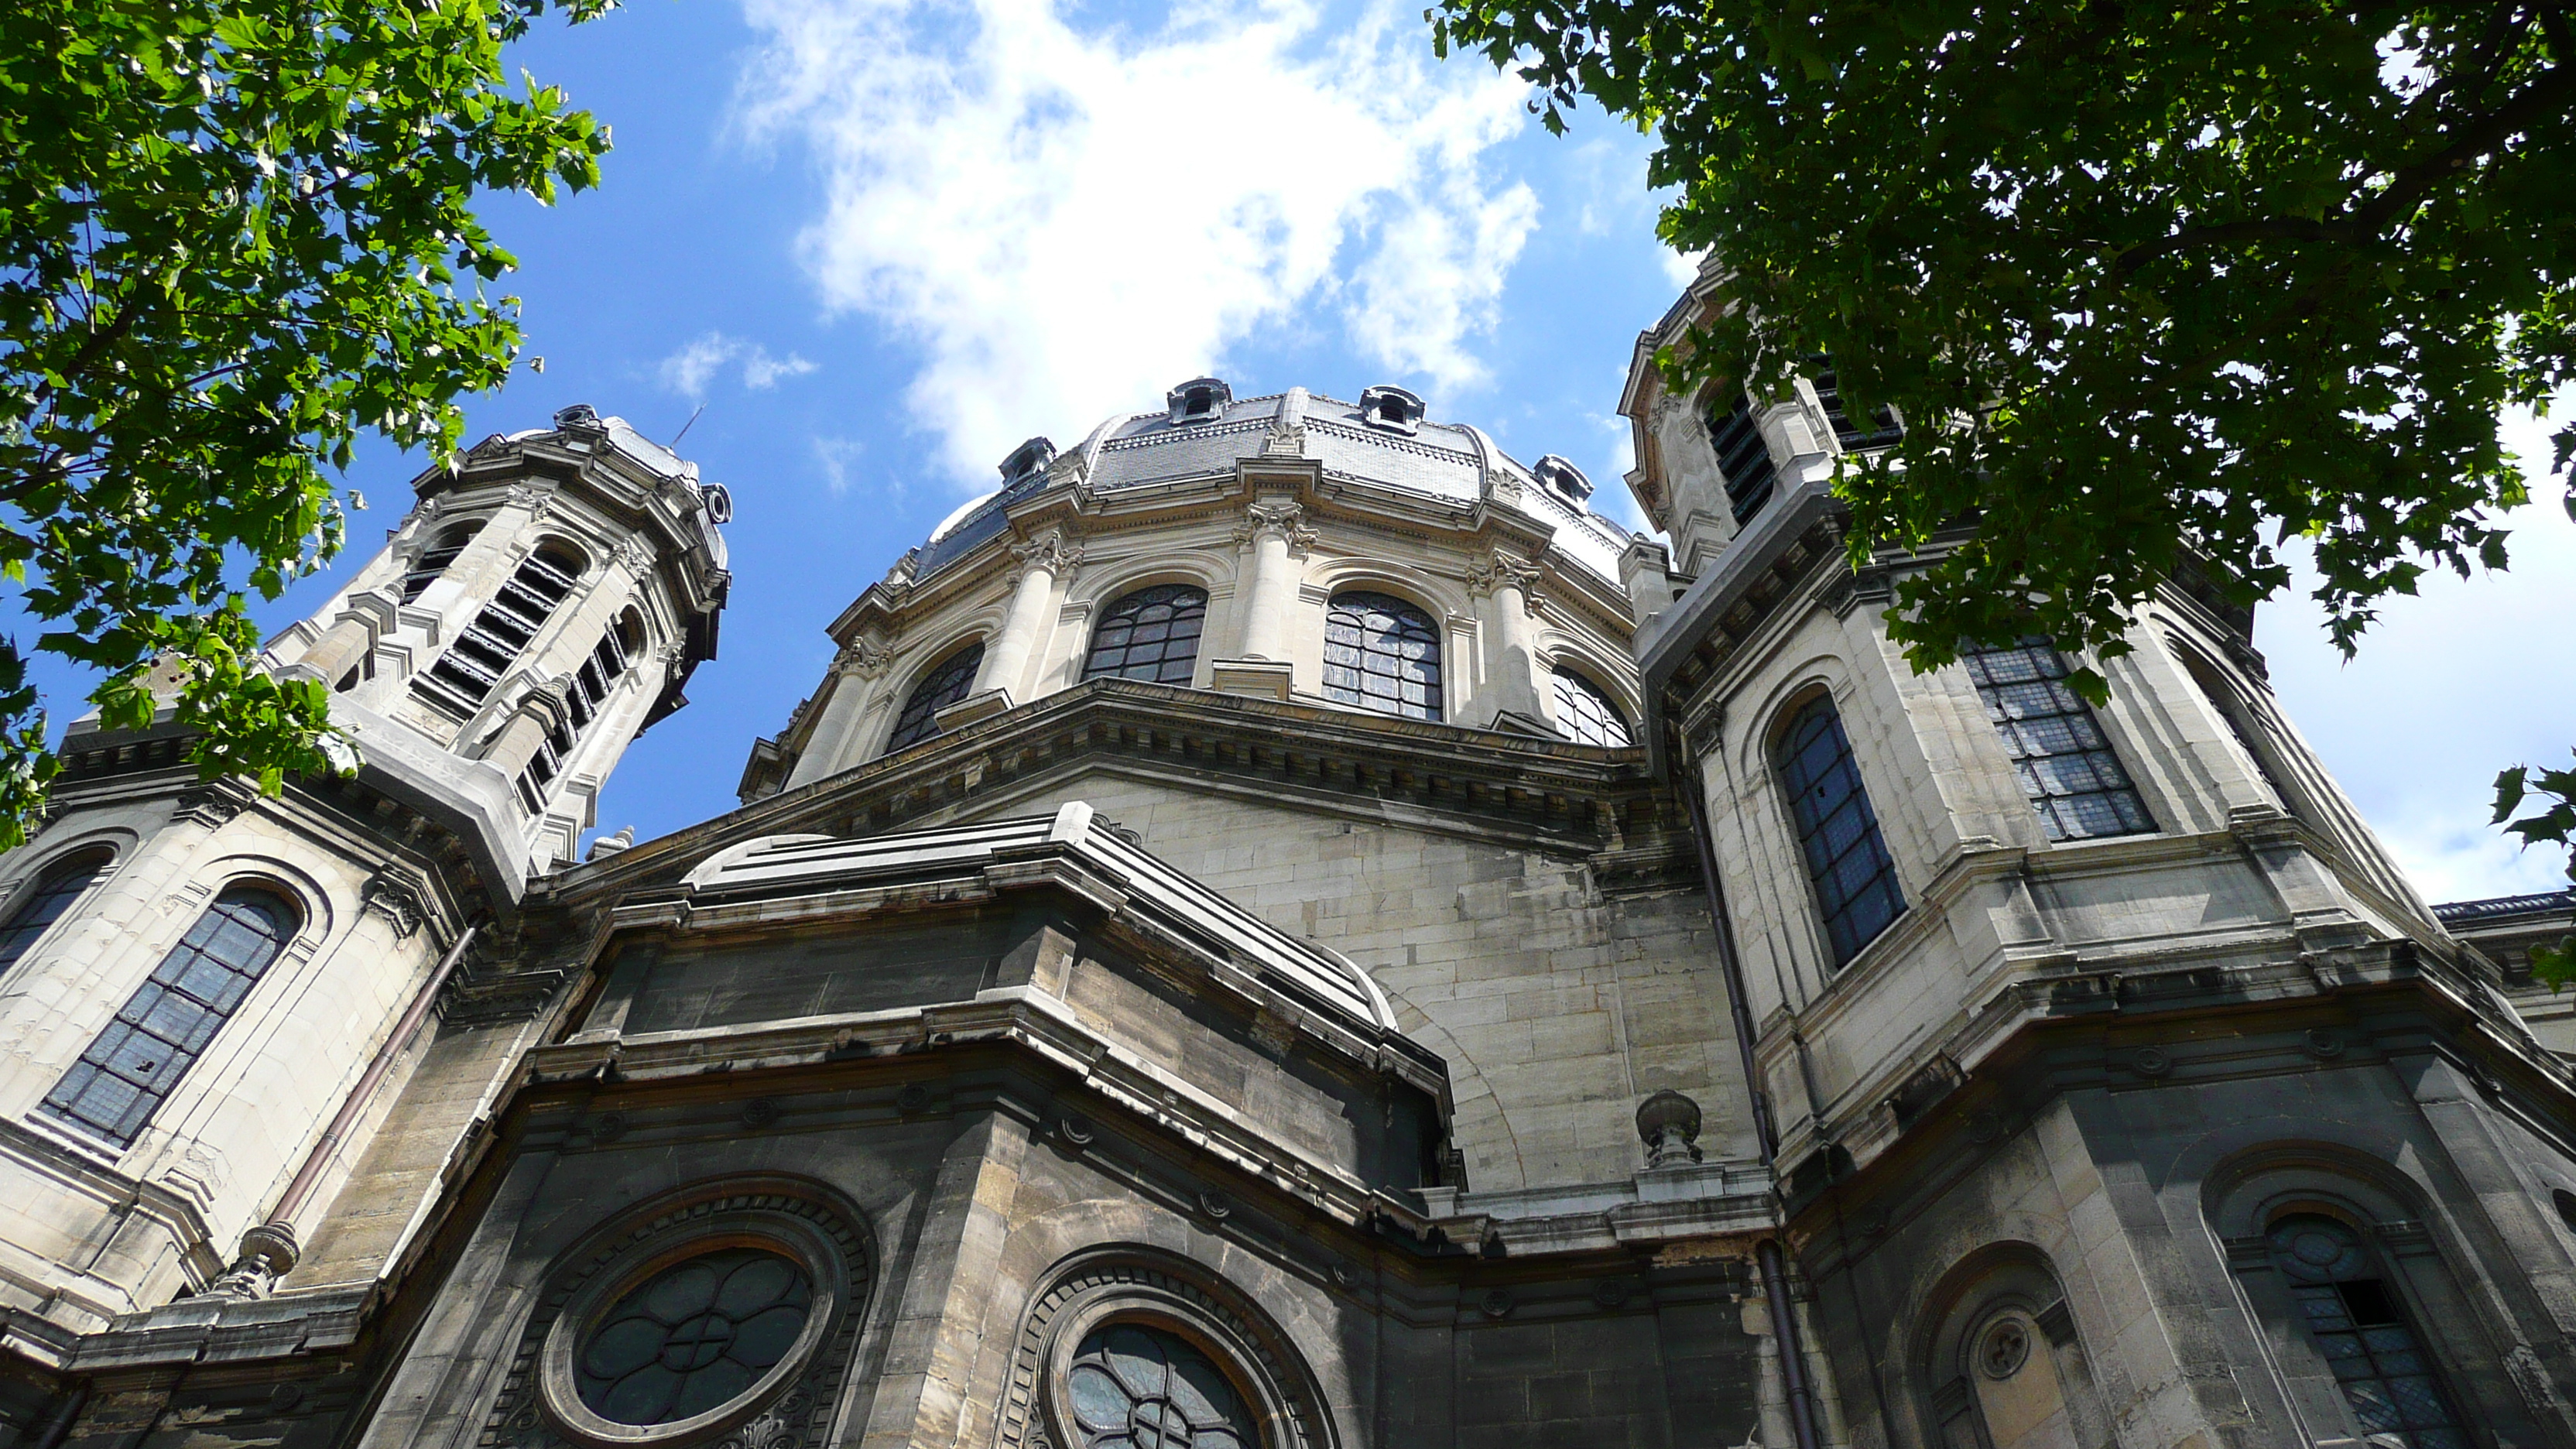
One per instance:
[(1282, 517), (1051, 551)]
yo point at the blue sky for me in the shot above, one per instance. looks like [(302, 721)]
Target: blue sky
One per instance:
[(881, 242)]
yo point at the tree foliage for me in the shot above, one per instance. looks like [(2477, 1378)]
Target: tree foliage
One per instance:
[(2150, 280), (234, 236)]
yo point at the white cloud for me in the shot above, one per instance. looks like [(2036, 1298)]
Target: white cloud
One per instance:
[(693, 368), (2449, 687), (837, 457), (1067, 221)]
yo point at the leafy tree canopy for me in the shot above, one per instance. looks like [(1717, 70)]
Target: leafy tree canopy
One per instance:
[(2151, 279), (234, 235)]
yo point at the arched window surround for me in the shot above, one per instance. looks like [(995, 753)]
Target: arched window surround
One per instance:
[(2012, 1286), (1446, 698), (199, 984), (933, 661), (96, 856), (2426, 1270), (1566, 659), (1133, 1283), (1102, 614), (1774, 737)]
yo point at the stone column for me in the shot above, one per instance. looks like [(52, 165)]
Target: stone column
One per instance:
[(1043, 560), (1502, 584), (1275, 527), (366, 618), (517, 741), (860, 663)]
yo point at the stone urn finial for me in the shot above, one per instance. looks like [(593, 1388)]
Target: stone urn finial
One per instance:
[(268, 1251), (1669, 1123)]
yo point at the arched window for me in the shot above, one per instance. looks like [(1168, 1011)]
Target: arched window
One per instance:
[(585, 697), (61, 886), (2360, 1330), (2066, 765), (434, 559), (137, 1062), (1150, 634), (1585, 712), (938, 689), (1135, 1386), (1382, 654), (472, 667), (1837, 832)]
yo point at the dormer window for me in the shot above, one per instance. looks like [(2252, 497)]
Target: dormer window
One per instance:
[(1027, 461), (1199, 400), (1391, 408), (1562, 479)]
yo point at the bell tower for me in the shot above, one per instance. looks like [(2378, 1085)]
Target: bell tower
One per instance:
[(207, 998)]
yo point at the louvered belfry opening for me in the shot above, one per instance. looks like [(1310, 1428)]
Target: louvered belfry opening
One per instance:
[(474, 665), (585, 699)]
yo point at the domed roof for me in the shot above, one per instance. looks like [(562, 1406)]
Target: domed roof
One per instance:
[(1383, 440)]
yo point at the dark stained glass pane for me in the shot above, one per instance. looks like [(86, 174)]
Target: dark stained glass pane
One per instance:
[(133, 1065), (2065, 761), (1382, 654), (1587, 714), (1135, 1387), (1854, 876), (37, 911), (2358, 1328), (938, 689), (693, 1337), (1150, 634)]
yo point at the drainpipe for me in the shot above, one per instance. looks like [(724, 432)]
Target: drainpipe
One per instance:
[(1766, 1254), (269, 1250)]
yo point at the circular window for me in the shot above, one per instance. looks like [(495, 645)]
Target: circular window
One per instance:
[(2004, 1349), (1135, 1387), (710, 1330), (693, 1337)]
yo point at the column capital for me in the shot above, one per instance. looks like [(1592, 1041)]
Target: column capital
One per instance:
[(1283, 517), (862, 658), (1496, 571), (1052, 551)]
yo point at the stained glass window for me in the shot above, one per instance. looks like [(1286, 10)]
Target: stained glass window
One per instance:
[(693, 1337), (1150, 634), (2066, 765), (137, 1062), (1586, 714), (1134, 1387), (1382, 654), (1837, 832), (938, 689), (2355, 1322), (54, 894)]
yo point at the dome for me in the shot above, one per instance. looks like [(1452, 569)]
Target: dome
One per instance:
[(1382, 441)]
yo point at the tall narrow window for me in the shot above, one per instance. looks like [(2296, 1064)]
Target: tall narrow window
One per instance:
[(938, 689), (1743, 458), (1837, 833), (56, 892), (433, 560), (472, 667), (1584, 712), (1382, 654), (137, 1062), (2066, 765), (585, 696), (1150, 634), (2355, 1321)]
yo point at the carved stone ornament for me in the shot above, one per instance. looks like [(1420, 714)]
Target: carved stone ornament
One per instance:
[(1668, 1123), (268, 1253), (863, 658), (1282, 516), (634, 557), (395, 899), (1050, 551), (207, 807), (1502, 571), (537, 498)]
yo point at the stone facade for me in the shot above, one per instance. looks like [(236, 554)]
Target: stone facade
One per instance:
[(1279, 927)]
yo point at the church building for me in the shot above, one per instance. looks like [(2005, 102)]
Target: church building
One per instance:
[(1279, 928)]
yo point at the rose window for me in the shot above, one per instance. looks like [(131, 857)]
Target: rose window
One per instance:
[(693, 1337), (1134, 1387)]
